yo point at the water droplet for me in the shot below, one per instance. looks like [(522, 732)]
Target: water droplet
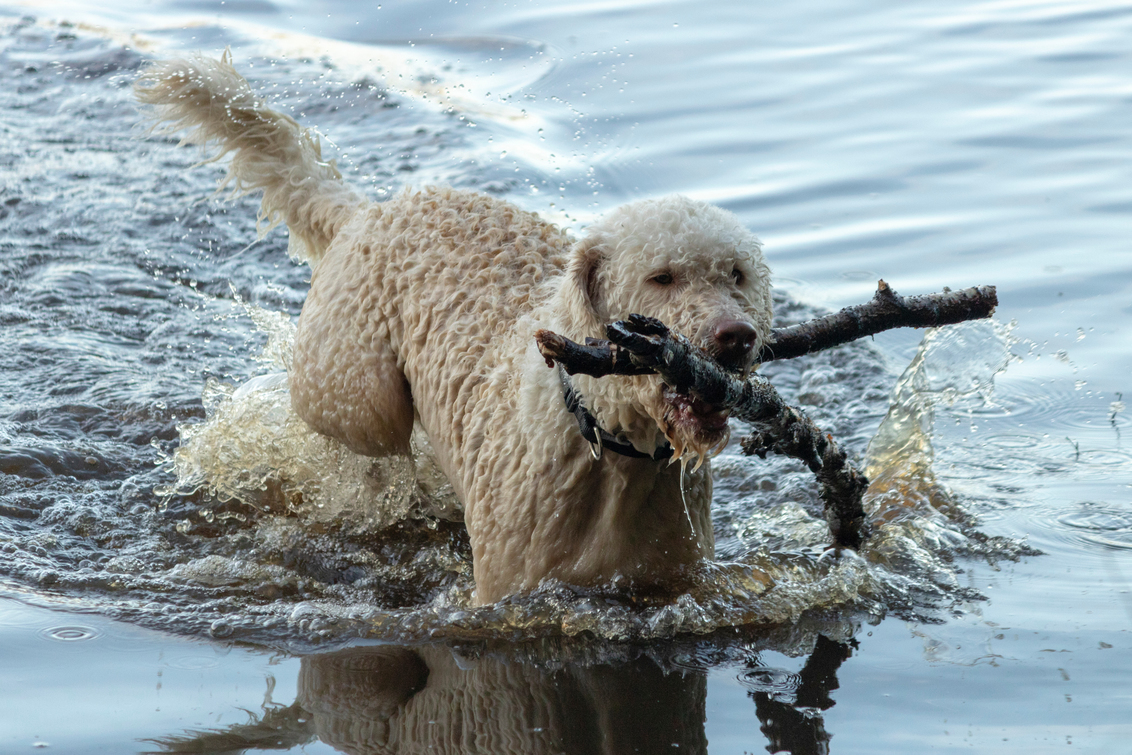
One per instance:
[(220, 628), (683, 466)]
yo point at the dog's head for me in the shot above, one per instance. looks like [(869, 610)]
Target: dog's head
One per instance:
[(696, 268)]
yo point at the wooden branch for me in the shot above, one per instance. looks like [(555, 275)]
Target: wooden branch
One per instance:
[(643, 345), (886, 311), (841, 486), (596, 358), (779, 428)]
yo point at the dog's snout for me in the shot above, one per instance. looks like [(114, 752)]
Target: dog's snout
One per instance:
[(734, 341)]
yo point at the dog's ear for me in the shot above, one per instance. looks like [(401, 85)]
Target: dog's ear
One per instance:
[(583, 277), (583, 273)]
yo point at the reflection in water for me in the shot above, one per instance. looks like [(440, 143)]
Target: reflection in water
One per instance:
[(794, 725), (392, 699)]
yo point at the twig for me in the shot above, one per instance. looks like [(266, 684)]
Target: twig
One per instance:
[(597, 358), (886, 311), (841, 486), (644, 344)]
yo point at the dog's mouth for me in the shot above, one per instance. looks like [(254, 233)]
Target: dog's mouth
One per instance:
[(693, 425), (738, 364)]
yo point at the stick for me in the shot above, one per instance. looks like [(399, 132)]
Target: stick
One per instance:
[(886, 311), (841, 485), (780, 428), (597, 358), (641, 345)]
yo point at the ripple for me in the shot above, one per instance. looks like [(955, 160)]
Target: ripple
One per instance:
[(1090, 528), (193, 662), (860, 275), (1056, 407), (1099, 524), (1014, 441), (776, 682), (70, 633), (1105, 458)]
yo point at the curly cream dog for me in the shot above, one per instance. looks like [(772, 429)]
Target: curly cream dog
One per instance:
[(424, 308)]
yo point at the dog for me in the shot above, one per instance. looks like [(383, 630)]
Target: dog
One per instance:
[(423, 309)]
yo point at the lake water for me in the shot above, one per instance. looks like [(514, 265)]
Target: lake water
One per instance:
[(185, 568)]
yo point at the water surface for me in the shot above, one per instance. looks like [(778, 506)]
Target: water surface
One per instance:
[(935, 145)]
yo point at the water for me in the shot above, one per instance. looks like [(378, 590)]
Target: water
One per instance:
[(930, 145)]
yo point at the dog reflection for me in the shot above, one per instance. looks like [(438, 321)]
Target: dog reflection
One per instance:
[(398, 700), (389, 699)]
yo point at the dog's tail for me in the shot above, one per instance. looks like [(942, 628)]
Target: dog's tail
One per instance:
[(270, 150)]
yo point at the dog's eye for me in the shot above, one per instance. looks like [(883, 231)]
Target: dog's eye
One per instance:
[(664, 279), (737, 274)]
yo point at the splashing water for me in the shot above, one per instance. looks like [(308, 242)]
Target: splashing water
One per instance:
[(267, 532), (255, 450), (251, 448)]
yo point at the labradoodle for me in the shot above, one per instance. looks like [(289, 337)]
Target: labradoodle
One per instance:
[(423, 309)]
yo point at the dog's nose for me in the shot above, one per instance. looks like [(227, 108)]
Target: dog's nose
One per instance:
[(734, 341)]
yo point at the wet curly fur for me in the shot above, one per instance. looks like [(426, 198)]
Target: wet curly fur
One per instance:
[(423, 309)]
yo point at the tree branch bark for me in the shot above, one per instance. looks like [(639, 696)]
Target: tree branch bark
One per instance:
[(886, 311)]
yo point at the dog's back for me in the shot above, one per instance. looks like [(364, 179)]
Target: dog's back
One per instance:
[(431, 284)]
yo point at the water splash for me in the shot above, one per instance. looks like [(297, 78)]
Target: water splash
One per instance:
[(920, 525), (253, 449)]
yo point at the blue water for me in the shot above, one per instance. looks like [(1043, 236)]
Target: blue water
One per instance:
[(932, 145)]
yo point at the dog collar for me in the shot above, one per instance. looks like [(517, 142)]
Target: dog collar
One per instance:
[(598, 437)]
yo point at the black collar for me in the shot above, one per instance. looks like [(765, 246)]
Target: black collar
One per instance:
[(599, 438)]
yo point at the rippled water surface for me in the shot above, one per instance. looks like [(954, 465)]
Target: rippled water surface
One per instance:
[(184, 566)]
